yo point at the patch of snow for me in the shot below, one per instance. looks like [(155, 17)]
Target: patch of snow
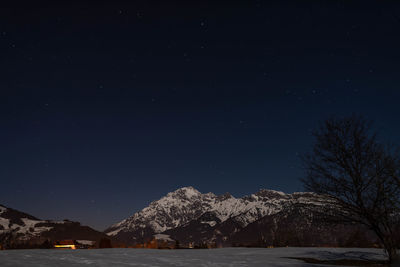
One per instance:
[(190, 192), (30, 227), (273, 191), (163, 237), (4, 222), (112, 233), (86, 242), (2, 209), (224, 257), (211, 223), (57, 222)]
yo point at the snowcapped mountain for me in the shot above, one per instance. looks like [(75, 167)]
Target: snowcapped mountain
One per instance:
[(18, 229), (186, 205), (261, 219), (173, 210)]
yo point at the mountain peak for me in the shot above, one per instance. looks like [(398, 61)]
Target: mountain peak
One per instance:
[(2, 209), (187, 204), (187, 188), (225, 196), (270, 193), (188, 191)]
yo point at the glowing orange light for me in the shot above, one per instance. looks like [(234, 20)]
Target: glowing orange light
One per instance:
[(65, 246)]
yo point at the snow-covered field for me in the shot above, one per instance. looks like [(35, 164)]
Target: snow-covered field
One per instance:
[(205, 257)]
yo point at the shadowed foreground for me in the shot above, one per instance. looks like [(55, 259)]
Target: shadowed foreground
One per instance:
[(205, 257)]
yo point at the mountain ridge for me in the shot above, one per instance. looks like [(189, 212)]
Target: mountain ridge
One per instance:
[(186, 204), (192, 218), (22, 230)]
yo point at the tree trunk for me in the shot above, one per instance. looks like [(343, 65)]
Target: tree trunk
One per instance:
[(394, 257)]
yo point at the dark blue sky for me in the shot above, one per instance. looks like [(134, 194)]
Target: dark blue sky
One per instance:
[(106, 107)]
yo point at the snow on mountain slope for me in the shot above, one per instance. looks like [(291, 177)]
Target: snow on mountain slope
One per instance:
[(173, 210), (186, 204), (20, 224), (2, 209), (21, 230)]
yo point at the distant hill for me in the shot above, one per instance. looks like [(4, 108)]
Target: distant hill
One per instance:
[(21, 230)]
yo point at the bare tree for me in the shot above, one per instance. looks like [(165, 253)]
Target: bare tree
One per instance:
[(358, 176)]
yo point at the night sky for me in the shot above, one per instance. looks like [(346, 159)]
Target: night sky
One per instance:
[(105, 108)]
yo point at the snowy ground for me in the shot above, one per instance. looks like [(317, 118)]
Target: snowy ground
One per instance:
[(204, 257)]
